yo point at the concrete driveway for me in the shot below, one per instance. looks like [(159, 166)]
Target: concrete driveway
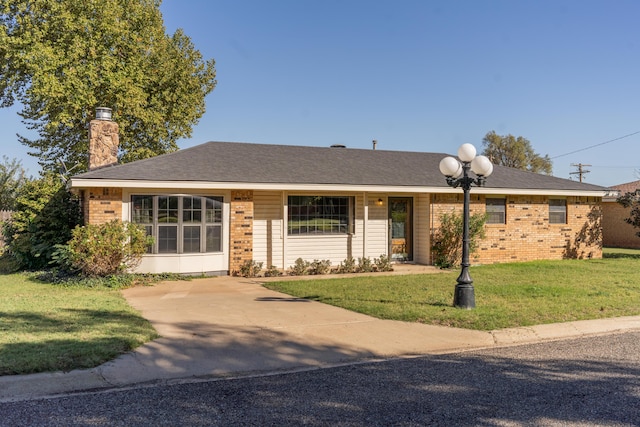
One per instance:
[(229, 325)]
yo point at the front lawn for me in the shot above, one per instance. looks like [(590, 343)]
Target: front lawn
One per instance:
[(47, 327), (507, 295)]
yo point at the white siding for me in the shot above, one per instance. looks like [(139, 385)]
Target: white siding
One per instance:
[(309, 248), (358, 238), (267, 228), (377, 227), (216, 263), (422, 241)]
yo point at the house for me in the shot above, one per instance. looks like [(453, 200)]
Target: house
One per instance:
[(616, 233), (214, 206)]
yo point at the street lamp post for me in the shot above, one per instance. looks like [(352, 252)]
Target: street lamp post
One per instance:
[(457, 174)]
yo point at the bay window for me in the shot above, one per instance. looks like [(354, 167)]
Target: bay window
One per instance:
[(180, 224)]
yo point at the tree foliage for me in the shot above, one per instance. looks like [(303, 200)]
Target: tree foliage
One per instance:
[(515, 152), (631, 200), (45, 213), (64, 58), (12, 179), (447, 240)]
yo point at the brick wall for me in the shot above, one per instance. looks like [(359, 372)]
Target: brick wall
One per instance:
[(241, 229), (100, 205), (616, 232), (527, 235)]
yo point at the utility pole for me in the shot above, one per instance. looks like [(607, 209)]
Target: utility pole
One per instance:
[(580, 170)]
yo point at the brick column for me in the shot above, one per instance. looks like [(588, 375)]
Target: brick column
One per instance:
[(102, 205), (241, 229)]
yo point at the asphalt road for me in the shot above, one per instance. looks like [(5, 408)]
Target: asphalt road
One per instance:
[(591, 381)]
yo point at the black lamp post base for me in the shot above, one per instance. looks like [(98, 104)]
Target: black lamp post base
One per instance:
[(464, 296)]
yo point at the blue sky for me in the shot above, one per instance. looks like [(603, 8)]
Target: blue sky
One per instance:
[(418, 76)]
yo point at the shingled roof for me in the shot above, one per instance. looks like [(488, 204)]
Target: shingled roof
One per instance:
[(233, 162)]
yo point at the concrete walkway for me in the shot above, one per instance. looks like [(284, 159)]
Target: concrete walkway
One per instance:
[(226, 326)]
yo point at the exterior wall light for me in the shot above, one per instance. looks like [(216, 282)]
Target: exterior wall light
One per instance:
[(380, 202), (457, 175)]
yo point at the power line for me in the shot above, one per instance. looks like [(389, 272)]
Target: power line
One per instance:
[(597, 145)]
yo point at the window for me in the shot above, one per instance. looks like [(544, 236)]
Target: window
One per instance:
[(496, 211), (180, 224), (142, 213), (557, 211), (320, 215), (167, 224)]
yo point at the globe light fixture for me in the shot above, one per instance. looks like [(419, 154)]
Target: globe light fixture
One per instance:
[(456, 172)]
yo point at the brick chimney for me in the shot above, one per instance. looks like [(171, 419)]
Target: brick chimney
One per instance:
[(103, 140)]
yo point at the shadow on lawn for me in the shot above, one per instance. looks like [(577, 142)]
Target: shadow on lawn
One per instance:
[(67, 339)]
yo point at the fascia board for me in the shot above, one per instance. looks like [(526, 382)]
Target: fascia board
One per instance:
[(80, 183)]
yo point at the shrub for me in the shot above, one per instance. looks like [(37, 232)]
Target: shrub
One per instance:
[(117, 281), (365, 265), (347, 266), (272, 271), (45, 214), (300, 268), (383, 263), (320, 267), (250, 268), (107, 249), (447, 240)]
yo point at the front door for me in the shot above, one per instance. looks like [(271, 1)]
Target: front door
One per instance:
[(401, 233)]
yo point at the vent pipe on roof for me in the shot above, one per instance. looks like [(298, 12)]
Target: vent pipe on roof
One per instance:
[(375, 144)]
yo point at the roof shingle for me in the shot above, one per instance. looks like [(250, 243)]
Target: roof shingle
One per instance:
[(286, 164)]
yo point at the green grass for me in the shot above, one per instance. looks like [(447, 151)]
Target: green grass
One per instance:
[(507, 295), (48, 327), (621, 253)]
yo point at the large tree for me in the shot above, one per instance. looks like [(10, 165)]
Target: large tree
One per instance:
[(61, 59), (515, 152)]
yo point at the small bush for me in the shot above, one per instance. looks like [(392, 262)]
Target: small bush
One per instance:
[(320, 267), (250, 268), (300, 268), (105, 249), (447, 240), (347, 266), (383, 263), (365, 265), (272, 271)]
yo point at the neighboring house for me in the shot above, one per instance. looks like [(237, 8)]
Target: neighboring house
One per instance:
[(214, 206), (616, 232)]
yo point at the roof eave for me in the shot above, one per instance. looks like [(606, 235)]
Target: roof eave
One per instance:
[(81, 183)]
